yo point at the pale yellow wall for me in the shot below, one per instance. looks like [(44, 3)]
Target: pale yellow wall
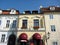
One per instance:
[(30, 19), (30, 34), (54, 36)]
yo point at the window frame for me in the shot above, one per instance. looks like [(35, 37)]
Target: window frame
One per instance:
[(51, 16), (14, 24), (55, 43), (36, 21), (3, 38), (7, 24), (24, 23), (0, 22), (53, 28)]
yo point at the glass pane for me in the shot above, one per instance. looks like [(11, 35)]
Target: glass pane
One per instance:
[(0, 22), (36, 22), (51, 16), (52, 27), (24, 23), (14, 24)]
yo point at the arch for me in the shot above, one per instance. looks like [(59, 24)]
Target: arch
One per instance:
[(23, 36), (11, 39), (36, 36)]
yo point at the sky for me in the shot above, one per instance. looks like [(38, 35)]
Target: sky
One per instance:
[(23, 5)]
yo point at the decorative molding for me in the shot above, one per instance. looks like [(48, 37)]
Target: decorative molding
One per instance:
[(35, 17), (25, 17)]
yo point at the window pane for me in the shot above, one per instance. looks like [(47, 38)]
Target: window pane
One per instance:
[(14, 24), (0, 22), (8, 21), (3, 38), (7, 24), (51, 16), (55, 43), (24, 23), (36, 22), (53, 28)]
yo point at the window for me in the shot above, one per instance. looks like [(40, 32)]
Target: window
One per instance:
[(14, 24), (3, 38), (51, 16), (0, 22), (36, 23), (53, 28), (55, 43), (24, 24), (7, 24)]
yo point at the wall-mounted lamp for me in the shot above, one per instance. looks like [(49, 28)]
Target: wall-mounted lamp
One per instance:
[(48, 35)]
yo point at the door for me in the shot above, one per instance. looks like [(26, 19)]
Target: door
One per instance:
[(11, 40)]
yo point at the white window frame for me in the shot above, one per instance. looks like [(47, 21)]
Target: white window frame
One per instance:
[(51, 16), (55, 43), (3, 38), (53, 28)]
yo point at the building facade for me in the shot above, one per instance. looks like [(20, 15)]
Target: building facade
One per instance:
[(8, 25), (30, 28), (52, 22)]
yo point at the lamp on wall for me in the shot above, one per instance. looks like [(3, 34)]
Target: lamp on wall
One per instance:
[(48, 35)]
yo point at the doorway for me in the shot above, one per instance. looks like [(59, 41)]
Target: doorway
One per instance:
[(11, 40)]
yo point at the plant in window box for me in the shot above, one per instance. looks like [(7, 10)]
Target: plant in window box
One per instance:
[(24, 27), (36, 27)]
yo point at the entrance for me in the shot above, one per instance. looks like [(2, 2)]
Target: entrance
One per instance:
[(23, 43), (11, 40), (36, 42)]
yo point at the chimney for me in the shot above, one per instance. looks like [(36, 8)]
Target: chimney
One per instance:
[(35, 12), (27, 12)]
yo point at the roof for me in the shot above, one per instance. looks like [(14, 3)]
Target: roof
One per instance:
[(7, 12), (50, 9)]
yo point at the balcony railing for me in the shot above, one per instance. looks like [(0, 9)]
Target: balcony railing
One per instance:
[(36, 27), (23, 27)]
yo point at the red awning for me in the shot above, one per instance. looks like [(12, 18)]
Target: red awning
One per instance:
[(36, 36), (23, 36)]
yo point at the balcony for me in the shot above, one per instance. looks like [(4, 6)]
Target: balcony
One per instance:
[(36, 27), (24, 27)]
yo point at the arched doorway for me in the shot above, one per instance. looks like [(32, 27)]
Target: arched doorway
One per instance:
[(11, 40), (36, 39)]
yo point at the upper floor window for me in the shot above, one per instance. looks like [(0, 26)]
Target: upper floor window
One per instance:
[(53, 28), (36, 23), (8, 23), (55, 43), (0, 22), (3, 38), (51, 16), (14, 24), (24, 24)]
